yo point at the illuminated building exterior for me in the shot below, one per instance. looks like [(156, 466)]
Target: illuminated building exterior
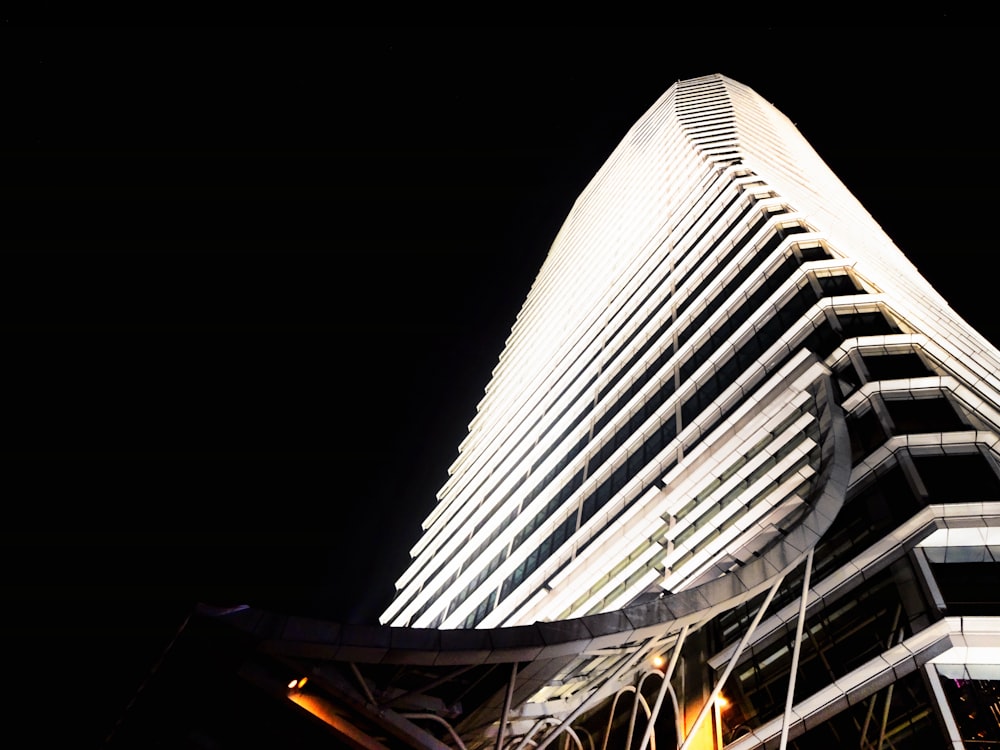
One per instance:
[(734, 430)]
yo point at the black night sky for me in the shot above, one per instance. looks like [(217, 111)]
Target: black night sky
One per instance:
[(254, 281)]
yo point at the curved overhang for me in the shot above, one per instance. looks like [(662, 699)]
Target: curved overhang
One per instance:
[(543, 650)]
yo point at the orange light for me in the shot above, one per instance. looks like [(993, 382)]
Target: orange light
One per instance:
[(298, 683), (659, 661), (722, 701)]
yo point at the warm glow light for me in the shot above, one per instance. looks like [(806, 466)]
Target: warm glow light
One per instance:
[(721, 702), (659, 661), (298, 683)]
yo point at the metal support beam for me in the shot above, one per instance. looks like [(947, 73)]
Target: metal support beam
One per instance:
[(793, 672), (635, 711), (885, 716), (423, 689), (941, 706), (508, 697), (570, 733), (611, 714), (626, 664), (732, 662), (439, 720), (364, 685), (665, 686)]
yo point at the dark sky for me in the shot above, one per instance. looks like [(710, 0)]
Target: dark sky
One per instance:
[(254, 282)]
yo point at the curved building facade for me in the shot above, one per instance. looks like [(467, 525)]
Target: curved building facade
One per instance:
[(734, 482)]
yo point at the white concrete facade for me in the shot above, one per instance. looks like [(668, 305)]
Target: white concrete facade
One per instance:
[(723, 364)]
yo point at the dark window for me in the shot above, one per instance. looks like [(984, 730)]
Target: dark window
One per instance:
[(974, 705), (813, 253), (865, 518), (895, 366), (837, 286), (908, 714), (849, 375), (924, 415), (969, 589), (866, 434), (846, 634), (958, 478), (865, 324), (823, 340)]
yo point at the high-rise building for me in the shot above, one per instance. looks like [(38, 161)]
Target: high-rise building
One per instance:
[(734, 483)]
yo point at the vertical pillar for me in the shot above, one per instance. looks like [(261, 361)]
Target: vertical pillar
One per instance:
[(790, 697), (506, 706), (689, 739)]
